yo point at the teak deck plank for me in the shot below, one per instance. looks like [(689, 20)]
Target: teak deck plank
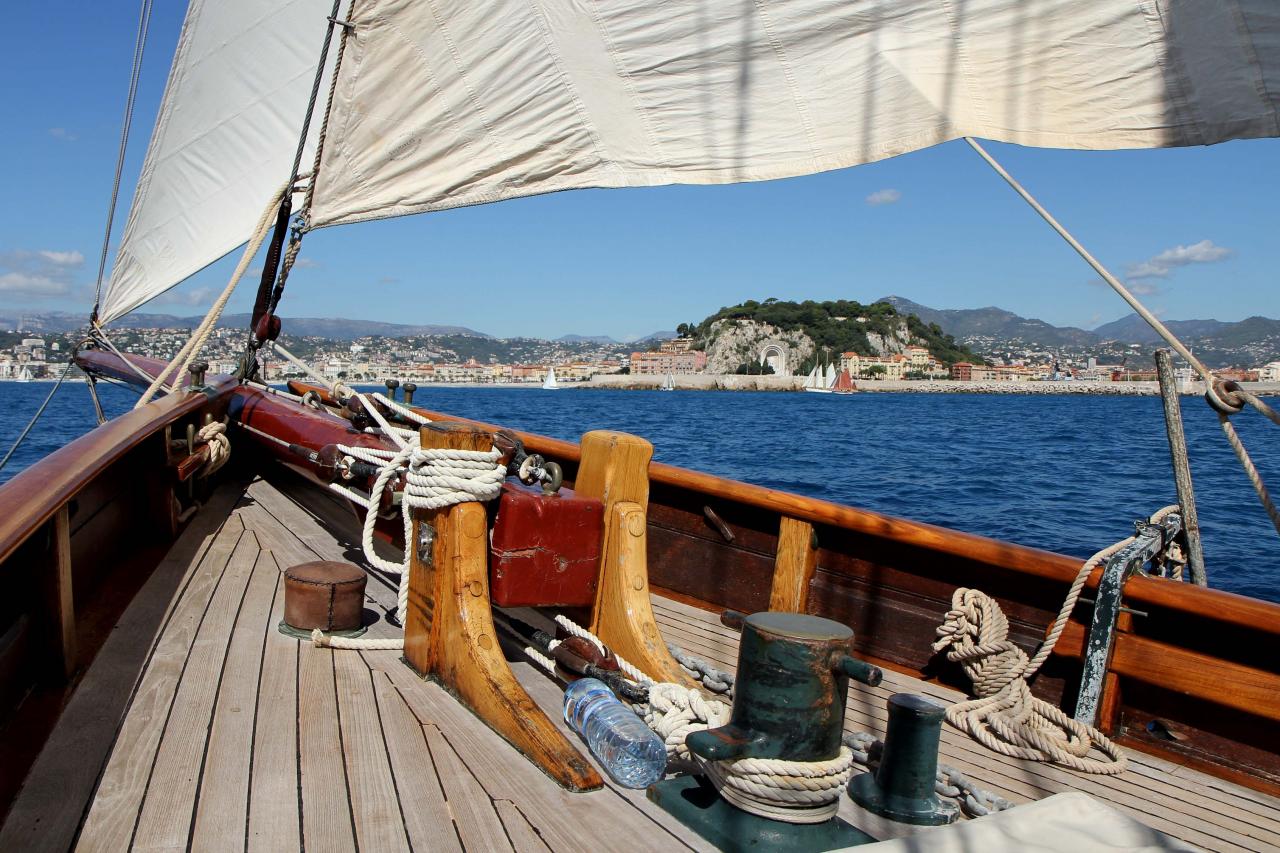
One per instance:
[(167, 811), (523, 836), (52, 802), (326, 801), (473, 813), (273, 804), (426, 813), (224, 790), (374, 804), (118, 799)]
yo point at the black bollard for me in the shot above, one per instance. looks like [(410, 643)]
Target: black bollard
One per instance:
[(392, 385), (409, 388), (901, 789)]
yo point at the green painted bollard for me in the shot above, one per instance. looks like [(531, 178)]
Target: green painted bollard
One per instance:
[(901, 788), (788, 702)]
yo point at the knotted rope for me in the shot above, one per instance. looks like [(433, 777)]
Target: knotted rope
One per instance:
[(214, 434), (1005, 717)]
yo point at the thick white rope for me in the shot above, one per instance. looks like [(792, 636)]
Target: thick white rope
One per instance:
[(1004, 716), (192, 347), (434, 479), (214, 434), (1251, 470)]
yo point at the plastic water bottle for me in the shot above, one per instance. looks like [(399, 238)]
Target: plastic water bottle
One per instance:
[(628, 749)]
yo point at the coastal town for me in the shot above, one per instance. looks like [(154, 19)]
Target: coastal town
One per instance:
[(445, 359)]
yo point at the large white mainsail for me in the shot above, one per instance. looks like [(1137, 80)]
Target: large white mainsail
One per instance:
[(461, 102), (223, 142)]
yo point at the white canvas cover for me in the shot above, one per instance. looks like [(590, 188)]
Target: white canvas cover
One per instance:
[(223, 142), (459, 102)]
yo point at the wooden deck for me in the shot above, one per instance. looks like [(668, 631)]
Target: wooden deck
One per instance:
[(200, 726)]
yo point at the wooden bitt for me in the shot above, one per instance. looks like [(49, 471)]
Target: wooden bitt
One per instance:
[(615, 469), (449, 633), (794, 566)]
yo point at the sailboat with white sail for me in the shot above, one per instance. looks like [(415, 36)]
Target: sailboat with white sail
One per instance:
[(668, 384), (550, 383)]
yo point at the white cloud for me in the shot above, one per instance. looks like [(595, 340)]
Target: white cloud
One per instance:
[(62, 259), (1204, 252), (879, 197), (1143, 288), (63, 134), (26, 274), (306, 264), (24, 286)]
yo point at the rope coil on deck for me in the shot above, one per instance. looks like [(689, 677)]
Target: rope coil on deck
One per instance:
[(1004, 716)]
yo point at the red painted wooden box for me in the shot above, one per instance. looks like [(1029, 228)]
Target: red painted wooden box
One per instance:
[(545, 549)]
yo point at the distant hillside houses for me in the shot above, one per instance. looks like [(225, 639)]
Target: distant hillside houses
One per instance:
[(676, 356), (914, 361)]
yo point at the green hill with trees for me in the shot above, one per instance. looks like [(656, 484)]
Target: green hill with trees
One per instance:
[(838, 326)]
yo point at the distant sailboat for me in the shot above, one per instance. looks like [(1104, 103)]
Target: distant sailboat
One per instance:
[(24, 375), (831, 376), (550, 384), (844, 384), (668, 384), (816, 382)]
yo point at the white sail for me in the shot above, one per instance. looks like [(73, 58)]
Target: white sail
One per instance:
[(550, 384), (461, 102), (812, 381), (830, 380), (223, 142)]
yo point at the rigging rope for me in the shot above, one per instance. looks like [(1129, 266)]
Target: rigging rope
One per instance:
[(139, 46), (36, 416)]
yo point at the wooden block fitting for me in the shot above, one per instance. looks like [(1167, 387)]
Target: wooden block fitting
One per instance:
[(449, 633), (793, 569)]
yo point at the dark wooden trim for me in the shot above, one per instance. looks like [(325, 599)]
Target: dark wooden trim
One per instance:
[(33, 496)]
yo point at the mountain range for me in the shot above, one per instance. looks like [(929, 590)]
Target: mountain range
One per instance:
[(1246, 343), (336, 329)]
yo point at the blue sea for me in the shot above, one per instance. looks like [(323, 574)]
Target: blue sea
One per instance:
[(1064, 473)]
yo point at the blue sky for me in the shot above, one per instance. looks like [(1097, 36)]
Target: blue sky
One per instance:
[(1194, 229)]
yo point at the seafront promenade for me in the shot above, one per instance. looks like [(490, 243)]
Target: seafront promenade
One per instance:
[(735, 382)]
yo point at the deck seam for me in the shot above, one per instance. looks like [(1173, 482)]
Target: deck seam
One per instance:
[(257, 703), (382, 732), (453, 821)]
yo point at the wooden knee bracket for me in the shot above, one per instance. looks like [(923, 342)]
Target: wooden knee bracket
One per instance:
[(615, 469), (449, 633)]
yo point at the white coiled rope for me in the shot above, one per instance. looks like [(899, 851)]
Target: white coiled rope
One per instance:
[(434, 478)]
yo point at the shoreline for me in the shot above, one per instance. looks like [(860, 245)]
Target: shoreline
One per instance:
[(794, 384)]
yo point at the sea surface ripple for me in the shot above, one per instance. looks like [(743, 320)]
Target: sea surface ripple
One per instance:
[(1064, 473)]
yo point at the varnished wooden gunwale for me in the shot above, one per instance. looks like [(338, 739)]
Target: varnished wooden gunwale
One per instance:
[(35, 494)]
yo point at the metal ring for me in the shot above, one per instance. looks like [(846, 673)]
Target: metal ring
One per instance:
[(1222, 395)]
